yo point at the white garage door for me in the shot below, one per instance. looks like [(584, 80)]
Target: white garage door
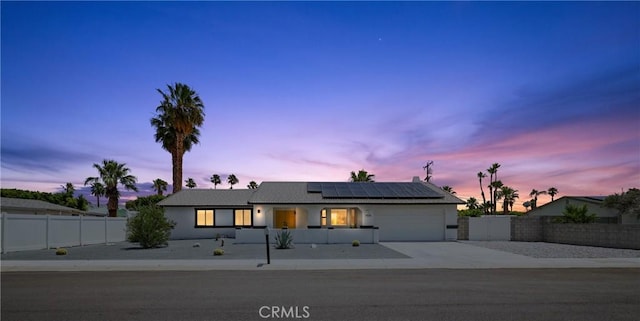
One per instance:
[(410, 225)]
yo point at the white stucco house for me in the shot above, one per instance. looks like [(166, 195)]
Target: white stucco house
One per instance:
[(317, 212)]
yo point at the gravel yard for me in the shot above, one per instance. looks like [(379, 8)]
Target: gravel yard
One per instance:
[(555, 250)]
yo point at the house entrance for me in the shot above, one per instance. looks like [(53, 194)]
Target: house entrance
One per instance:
[(285, 218)]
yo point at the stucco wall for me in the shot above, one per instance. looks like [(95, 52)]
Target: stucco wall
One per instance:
[(185, 219), (605, 235)]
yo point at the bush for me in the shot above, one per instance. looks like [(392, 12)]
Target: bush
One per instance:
[(575, 214), (284, 240), (218, 252), (355, 243), (149, 228), (61, 251), (476, 212)]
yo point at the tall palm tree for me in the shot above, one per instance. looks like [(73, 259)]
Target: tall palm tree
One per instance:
[(252, 185), (553, 192), (535, 193), (159, 186), (97, 189), (232, 180), (493, 171), (177, 119), (448, 189), (508, 196), (496, 185), (362, 176), (482, 175), (215, 179), (190, 183), (112, 173)]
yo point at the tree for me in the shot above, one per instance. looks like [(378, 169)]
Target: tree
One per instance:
[(472, 203), (627, 203), (112, 173), (150, 227), (535, 193), (508, 196), (575, 214), (177, 119), (143, 201), (493, 171), (553, 192), (482, 175), (159, 186), (97, 189), (448, 189), (526, 205), (362, 176), (190, 183), (232, 180), (252, 185), (68, 189), (215, 179)]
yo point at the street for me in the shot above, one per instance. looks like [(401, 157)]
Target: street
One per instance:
[(423, 294)]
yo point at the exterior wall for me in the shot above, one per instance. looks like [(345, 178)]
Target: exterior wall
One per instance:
[(308, 236), (33, 232), (185, 219), (463, 228), (605, 235), (527, 229), (490, 228)]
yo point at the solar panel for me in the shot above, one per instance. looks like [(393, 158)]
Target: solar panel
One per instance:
[(373, 190), (314, 187)]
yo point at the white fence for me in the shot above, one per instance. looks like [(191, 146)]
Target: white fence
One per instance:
[(20, 232), (490, 228)]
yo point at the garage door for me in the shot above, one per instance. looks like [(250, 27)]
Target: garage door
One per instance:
[(410, 225)]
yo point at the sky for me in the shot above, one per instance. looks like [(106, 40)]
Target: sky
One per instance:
[(310, 91)]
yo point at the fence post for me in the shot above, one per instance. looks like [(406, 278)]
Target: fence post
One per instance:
[(80, 229), (47, 233)]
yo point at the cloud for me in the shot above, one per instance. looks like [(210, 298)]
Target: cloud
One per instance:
[(37, 157)]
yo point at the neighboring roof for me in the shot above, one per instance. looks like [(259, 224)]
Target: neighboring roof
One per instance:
[(589, 199), (8, 204), (208, 197)]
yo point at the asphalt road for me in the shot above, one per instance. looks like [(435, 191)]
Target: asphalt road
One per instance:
[(429, 294)]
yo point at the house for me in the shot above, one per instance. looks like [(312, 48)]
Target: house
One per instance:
[(317, 212), (594, 205), (28, 206)]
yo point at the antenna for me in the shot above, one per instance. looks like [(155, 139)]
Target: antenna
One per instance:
[(427, 168)]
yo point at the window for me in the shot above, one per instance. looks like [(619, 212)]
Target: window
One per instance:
[(339, 217), (324, 217), (204, 218), (243, 217)]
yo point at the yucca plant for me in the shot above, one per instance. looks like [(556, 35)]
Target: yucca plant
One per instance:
[(284, 240)]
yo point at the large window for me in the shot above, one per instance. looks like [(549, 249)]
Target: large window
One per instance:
[(243, 217), (339, 217), (204, 218)]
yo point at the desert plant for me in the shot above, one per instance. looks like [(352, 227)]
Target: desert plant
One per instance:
[(61, 251), (355, 243), (149, 228), (284, 240), (218, 252), (576, 214)]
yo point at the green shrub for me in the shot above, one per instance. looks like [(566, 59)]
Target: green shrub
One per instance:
[(61, 251), (218, 252), (576, 214), (355, 243), (476, 212), (284, 240), (149, 228)]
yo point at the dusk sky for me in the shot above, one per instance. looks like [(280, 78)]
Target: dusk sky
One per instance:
[(310, 91)]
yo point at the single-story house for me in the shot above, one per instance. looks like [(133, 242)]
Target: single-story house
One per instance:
[(317, 212), (594, 205), (28, 206)]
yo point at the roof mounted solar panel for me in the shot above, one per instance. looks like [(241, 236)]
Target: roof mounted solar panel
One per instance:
[(314, 187), (354, 190)]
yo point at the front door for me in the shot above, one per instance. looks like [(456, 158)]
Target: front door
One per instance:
[(285, 218)]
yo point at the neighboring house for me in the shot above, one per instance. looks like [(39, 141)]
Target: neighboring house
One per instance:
[(325, 211), (594, 205), (29, 206)]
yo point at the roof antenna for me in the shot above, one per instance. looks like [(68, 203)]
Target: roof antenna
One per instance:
[(427, 168)]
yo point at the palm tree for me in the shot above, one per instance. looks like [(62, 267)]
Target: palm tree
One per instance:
[(159, 186), (553, 192), (97, 189), (190, 183), (232, 180), (535, 193), (526, 205), (448, 189), (68, 189), (482, 175), (472, 203), (252, 185), (179, 115), (508, 195), (493, 171), (112, 173), (215, 179), (362, 176)]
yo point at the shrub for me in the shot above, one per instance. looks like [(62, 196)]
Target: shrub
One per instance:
[(576, 214), (61, 251), (149, 228), (476, 212), (218, 252), (355, 243), (284, 240)]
